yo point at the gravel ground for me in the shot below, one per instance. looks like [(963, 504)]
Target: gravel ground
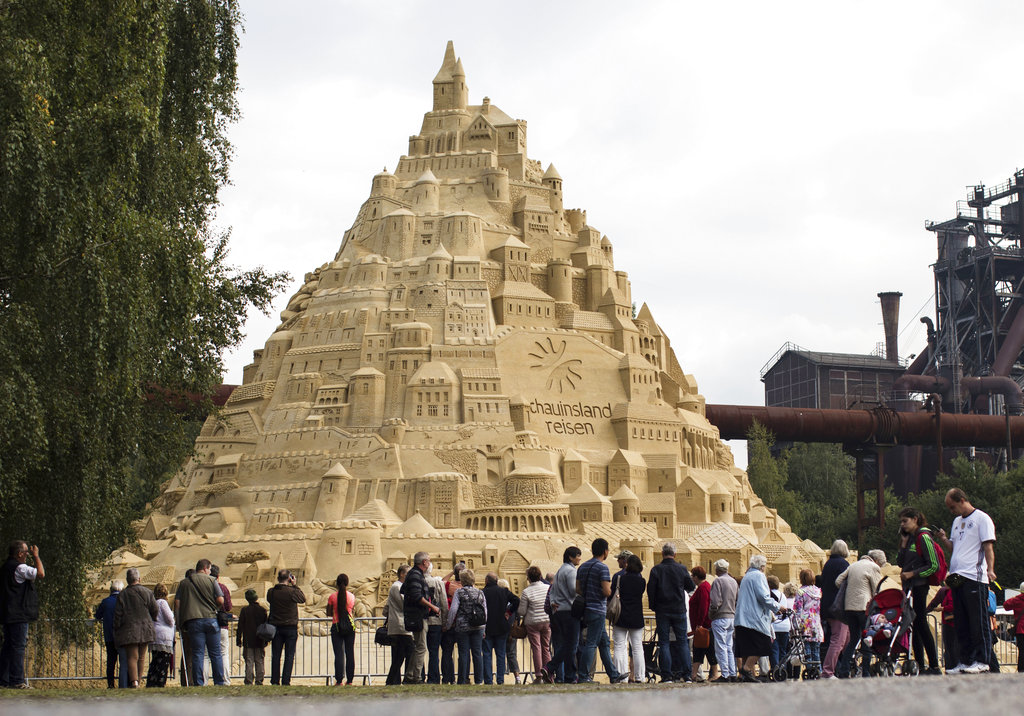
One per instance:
[(988, 695)]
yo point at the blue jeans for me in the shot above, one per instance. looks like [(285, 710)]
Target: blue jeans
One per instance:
[(812, 652), (122, 668), (205, 633), (433, 654), (780, 645), (447, 657), (470, 642), (12, 654), (722, 630), (284, 638), (673, 656), (565, 634), (597, 640), (494, 646)]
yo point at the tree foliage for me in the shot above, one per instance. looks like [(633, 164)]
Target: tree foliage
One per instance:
[(112, 280)]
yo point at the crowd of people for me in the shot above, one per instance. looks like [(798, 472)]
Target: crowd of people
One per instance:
[(747, 630)]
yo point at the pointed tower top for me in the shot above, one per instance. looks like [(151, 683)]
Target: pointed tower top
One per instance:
[(458, 71), (427, 177), (552, 173), (448, 65)]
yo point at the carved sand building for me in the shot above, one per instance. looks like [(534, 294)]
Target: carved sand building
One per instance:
[(467, 377)]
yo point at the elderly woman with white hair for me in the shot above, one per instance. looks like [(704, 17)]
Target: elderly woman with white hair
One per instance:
[(837, 633), (134, 614), (755, 608), (861, 581), (722, 611)]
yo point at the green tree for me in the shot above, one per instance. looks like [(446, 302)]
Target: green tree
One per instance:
[(822, 476), (769, 475), (116, 296)]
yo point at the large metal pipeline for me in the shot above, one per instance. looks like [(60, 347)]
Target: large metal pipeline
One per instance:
[(979, 386), (921, 384), (1012, 344), (879, 426)]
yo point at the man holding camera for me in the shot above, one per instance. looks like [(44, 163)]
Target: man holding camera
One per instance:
[(19, 605), (284, 599)]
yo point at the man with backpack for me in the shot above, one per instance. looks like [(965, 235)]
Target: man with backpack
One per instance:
[(922, 564)]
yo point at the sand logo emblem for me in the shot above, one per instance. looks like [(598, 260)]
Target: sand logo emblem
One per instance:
[(563, 371)]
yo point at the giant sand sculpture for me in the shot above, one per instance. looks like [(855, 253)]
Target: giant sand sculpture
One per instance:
[(467, 377)]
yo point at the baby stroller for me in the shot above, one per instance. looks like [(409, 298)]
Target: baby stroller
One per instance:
[(796, 655), (892, 651)]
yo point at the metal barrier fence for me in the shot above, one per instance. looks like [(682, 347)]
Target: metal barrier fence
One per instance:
[(314, 657)]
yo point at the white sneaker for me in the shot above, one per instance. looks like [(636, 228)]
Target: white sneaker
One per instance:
[(958, 669), (976, 668)]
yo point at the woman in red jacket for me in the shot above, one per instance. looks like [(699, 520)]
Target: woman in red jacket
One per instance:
[(700, 603), (1016, 604)]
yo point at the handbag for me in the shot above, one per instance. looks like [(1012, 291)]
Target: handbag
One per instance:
[(839, 603), (615, 604), (224, 618), (380, 637), (701, 638), (266, 632), (518, 631)]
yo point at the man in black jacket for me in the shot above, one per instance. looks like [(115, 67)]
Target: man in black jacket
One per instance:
[(19, 605), (666, 596), (499, 602), (415, 609)]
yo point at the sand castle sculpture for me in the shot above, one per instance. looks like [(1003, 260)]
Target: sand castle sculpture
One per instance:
[(467, 377)]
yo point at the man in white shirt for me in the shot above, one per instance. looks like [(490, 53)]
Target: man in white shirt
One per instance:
[(971, 567)]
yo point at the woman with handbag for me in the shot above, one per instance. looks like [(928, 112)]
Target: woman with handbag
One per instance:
[(538, 623), (343, 632), (700, 620), (838, 632), (629, 625)]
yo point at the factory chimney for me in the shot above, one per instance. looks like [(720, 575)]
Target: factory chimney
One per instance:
[(891, 322)]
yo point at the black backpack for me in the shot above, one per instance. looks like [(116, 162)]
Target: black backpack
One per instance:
[(476, 615)]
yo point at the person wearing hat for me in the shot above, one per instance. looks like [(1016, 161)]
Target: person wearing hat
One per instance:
[(249, 620), (621, 558)]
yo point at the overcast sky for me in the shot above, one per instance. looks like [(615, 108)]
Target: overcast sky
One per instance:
[(763, 169)]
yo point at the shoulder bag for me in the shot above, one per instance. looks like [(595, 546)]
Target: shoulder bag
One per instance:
[(344, 625), (518, 630), (701, 638), (839, 603), (266, 632), (579, 603), (615, 604), (223, 618)]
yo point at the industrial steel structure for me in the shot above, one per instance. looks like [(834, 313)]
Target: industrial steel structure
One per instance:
[(968, 377)]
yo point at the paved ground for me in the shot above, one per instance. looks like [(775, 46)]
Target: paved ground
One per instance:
[(981, 695)]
